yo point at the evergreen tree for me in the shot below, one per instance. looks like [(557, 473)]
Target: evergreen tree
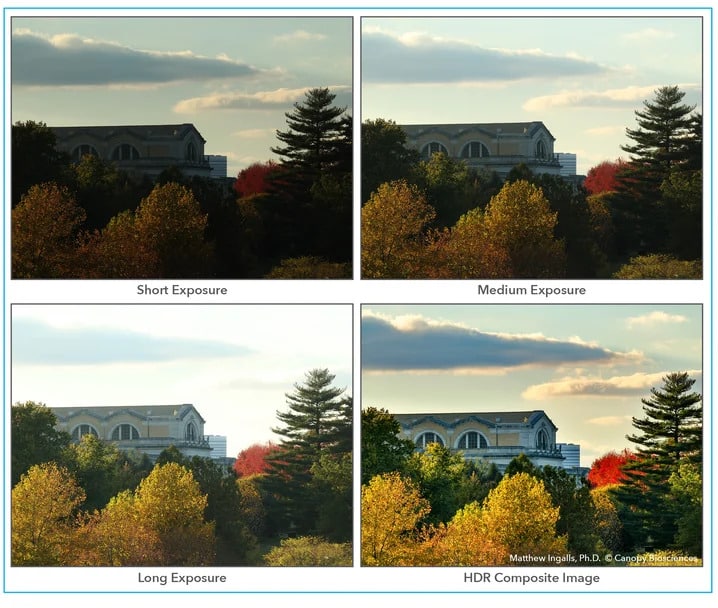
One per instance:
[(671, 434), (668, 137), (382, 450), (317, 423)]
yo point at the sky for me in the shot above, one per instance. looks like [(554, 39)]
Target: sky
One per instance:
[(234, 363), (586, 366), (583, 77), (234, 78)]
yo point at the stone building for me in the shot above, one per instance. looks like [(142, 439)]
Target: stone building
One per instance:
[(142, 149), (497, 437), (147, 428), (497, 147)]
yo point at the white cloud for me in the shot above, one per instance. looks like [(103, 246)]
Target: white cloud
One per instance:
[(609, 420), (650, 33), (578, 98), (656, 317), (298, 36)]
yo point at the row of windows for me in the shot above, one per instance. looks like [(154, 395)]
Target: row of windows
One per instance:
[(127, 152), (472, 440), (474, 149), (126, 432)]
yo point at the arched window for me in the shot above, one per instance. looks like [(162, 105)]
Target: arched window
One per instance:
[(83, 150), (472, 440), (542, 442), (426, 438), (541, 151), (83, 429), (474, 149), (190, 432), (124, 432), (191, 152), (432, 148), (125, 152)]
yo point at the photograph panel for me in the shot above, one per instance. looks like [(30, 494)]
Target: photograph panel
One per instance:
[(181, 147), (544, 147), (530, 435), (181, 436)]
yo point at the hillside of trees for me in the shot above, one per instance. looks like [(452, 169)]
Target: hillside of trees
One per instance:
[(285, 219), (433, 508), (89, 504), (633, 218)]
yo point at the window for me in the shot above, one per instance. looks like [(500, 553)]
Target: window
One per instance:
[(124, 432), (83, 429), (426, 438), (541, 150), (191, 152), (432, 148), (474, 149), (542, 442), (472, 440), (83, 150), (125, 152), (190, 433)]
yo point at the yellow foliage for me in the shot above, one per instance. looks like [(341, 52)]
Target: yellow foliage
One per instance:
[(391, 508)]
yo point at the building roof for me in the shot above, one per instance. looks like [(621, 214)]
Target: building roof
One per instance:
[(491, 128), (140, 411), (497, 418), (145, 132)]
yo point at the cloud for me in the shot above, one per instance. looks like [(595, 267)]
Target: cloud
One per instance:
[(298, 36), (420, 345), (628, 97), (650, 33), (656, 317), (254, 133), (609, 420), (420, 58), (607, 130), (35, 343), (261, 100), (70, 60), (617, 386)]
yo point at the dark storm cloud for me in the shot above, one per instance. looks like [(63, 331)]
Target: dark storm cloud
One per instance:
[(422, 346), (35, 343), (69, 60), (422, 59)]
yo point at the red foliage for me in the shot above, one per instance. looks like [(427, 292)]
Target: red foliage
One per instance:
[(606, 470), (252, 460), (253, 179), (602, 177)]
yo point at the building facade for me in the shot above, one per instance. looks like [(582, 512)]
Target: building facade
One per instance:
[(568, 163), (141, 149), (146, 428), (497, 147), (497, 437)]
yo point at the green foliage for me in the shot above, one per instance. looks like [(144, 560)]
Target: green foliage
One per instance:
[(687, 491), (382, 450), (34, 438), (332, 483), (659, 266), (309, 551), (607, 523)]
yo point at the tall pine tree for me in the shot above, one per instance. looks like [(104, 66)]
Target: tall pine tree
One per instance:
[(671, 433), (317, 424)]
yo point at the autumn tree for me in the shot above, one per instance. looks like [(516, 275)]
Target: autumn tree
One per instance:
[(34, 438), (45, 232), (659, 266), (603, 177), (608, 469), (394, 227), (43, 506), (607, 522), (519, 219), (254, 179), (671, 433), (391, 509), (382, 450), (520, 517), (318, 422), (309, 551), (252, 460)]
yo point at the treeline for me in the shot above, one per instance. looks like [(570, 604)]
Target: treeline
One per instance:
[(439, 218), (90, 220), (433, 508), (88, 503)]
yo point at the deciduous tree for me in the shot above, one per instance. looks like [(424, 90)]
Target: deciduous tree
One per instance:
[(382, 450)]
